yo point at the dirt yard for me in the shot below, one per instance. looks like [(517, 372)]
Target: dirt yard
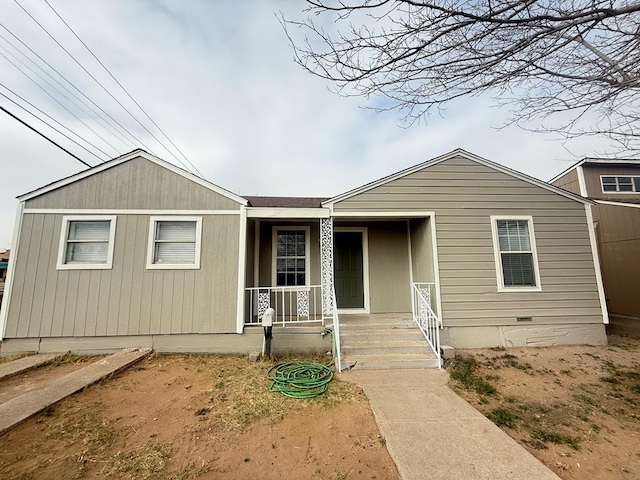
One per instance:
[(182, 417), (575, 408)]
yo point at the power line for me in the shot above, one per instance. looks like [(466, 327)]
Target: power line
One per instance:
[(51, 126), (54, 120), (125, 90), (43, 135), (77, 89), (111, 129), (57, 101), (99, 83)]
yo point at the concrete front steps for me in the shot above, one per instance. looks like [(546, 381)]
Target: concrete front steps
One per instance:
[(383, 341)]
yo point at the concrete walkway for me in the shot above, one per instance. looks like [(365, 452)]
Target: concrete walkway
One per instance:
[(25, 364), (24, 406), (432, 433)]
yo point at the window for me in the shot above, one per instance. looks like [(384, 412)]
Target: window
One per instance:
[(620, 184), (290, 262), (174, 243), (515, 254), (86, 243)]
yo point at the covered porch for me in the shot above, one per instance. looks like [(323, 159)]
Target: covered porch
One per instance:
[(313, 269)]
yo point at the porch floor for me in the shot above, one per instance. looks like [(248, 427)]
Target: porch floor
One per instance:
[(384, 341)]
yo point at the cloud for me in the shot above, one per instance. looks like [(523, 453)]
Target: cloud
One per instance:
[(220, 80)]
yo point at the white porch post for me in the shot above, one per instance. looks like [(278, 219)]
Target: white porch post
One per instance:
[(326, 264)]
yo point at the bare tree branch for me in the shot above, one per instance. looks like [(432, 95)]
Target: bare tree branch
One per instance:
[(576, 59)]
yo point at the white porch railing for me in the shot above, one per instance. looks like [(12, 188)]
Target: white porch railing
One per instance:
[(293, 305), (424, 316)]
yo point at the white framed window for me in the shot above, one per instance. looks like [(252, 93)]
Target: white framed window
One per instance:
[(290, 257), (174, 243), (620, 184), (515, 254), (86, 242)]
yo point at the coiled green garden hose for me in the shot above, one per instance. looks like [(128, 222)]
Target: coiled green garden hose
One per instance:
[(300, 379)]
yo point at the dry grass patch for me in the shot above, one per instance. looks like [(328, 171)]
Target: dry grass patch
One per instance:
[(239, 395)]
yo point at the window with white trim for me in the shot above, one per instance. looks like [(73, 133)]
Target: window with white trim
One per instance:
[(86, 242), (623, 184), (291, 256), (516, 258), (174, 243)]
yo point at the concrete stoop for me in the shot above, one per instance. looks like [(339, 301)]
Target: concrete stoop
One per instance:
[(383, 342)]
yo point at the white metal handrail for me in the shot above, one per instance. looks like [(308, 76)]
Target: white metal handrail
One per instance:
[(425, 318), (336, 331), (293, 305)]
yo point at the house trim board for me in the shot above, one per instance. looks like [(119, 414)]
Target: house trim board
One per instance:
[(365, 270), (242, 264), (436, 267), (11, 268), (383, 214), (256, 254), (596, 264), (281, 213), (448, 156), (618, 204), (581, 181), (79, 211), (125, 158)]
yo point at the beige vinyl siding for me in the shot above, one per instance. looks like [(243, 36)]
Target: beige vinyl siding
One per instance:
[(128, 299), (136, 184), (569, 181), (389, 280), (421, 250), (618, 233), (594, 187), (464, 194)]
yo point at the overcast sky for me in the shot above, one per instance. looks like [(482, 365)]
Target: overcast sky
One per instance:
[(219, 78)]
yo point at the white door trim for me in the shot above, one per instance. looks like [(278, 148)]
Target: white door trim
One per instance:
[(365, 269)]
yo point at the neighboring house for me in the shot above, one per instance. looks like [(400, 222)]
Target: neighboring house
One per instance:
[(138, 253), (614, 187), (4, 263)]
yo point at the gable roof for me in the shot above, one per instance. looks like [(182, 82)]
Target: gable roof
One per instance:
[(286, 202), (447, 156), (138, 153), (602, 161)]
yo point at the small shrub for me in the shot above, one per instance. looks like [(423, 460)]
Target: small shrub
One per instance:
[(502, 417), (463, 369), (554, 437)]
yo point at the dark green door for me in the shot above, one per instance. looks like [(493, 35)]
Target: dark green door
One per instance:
[(348, 269)]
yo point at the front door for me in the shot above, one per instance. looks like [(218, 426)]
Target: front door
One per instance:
[(348, 272)]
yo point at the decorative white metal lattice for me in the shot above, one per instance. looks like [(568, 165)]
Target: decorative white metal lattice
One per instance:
[(303, 304), (326, 263), (263, 303), (426, 291)]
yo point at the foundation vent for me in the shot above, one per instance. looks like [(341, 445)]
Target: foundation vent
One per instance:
[(524, 319)]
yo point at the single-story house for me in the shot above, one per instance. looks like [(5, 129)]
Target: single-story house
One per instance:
[(136, 252)]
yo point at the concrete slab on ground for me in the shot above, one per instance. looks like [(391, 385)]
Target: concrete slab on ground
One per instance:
[(20, 408), (25, 364), (432, 433)]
